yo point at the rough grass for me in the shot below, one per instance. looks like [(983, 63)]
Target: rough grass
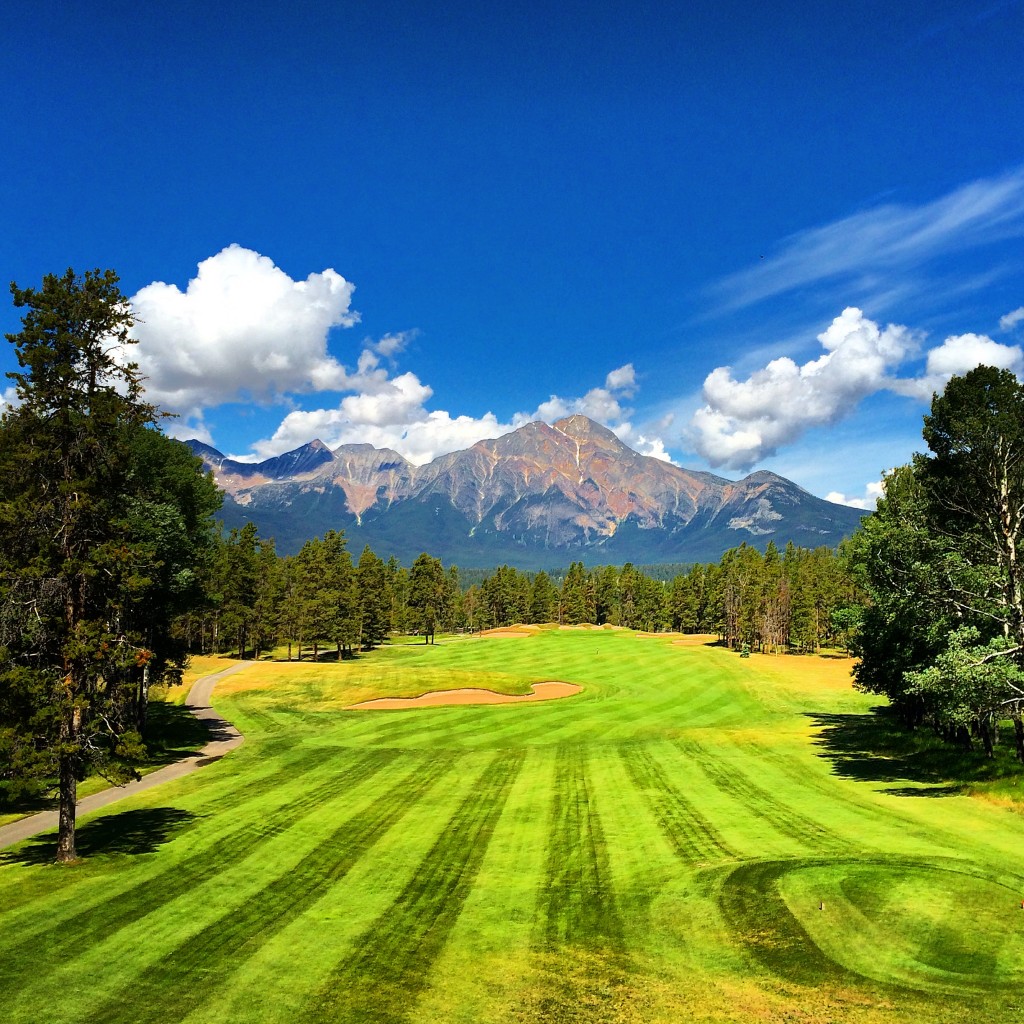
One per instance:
[(695, 837)]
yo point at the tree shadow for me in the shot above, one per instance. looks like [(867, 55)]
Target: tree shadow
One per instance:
[(173, 732), (130, 832), (875, 747)]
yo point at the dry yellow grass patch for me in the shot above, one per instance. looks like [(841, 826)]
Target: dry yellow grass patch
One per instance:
[(805, 672)]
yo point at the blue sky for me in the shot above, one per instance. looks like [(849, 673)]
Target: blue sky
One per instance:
[(744, 236)]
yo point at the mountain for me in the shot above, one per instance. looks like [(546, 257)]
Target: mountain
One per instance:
[(538, 497)]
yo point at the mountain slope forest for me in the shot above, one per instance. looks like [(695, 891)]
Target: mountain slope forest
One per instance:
[(538, 497)]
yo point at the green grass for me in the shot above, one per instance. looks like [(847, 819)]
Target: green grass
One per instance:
[(694, 837), (175, 734)]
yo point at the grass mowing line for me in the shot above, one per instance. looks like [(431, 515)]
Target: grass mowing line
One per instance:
[(579, 905), (861, 803), (693, 838), (285, 770), (168, 990), (38, 849), (580, 959), (392, 959), (91, 924), (762, 803)]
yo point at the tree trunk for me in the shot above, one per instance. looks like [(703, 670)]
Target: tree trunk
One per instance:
[(68, 789), (985, 728), (1018, 735)]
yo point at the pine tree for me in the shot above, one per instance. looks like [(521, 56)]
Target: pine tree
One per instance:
[(84, 516), (373, 599)]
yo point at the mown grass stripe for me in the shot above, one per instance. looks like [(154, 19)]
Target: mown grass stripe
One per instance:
[(693, 838), (94, 923), (255, 785), (391, 963), (728, 776), (579, 905), (166, 992)]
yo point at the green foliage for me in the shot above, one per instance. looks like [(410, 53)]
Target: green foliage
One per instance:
[(104, 527), (943, 634)]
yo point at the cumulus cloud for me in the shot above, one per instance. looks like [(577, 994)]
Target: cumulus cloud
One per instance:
[(601, 404), (1008, 322), (391, 344), (744, 421), (241, 329), (9, 399), (872, 493), (391, 412), (959, 354), (622, 380)]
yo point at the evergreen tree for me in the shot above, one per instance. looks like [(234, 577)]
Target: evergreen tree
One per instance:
[(427, 595), (84, 515), (373, 599), (573, 604), (543, 598)]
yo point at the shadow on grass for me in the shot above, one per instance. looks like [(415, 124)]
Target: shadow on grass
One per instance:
[(130, 832), (874, 747), (173, 732)]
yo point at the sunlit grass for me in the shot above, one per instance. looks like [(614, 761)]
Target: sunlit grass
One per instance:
[(696, 836)]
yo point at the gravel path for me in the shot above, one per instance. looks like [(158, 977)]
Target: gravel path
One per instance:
[(223, 737)]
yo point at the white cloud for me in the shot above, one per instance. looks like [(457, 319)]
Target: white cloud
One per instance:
[(869, 247), (962, 352), (601, 404), (744, 421), (959, 354), (392, 413), (9, 399), (391, 344), (872, 493), (623, 380), (1008, 322), (242, 328)]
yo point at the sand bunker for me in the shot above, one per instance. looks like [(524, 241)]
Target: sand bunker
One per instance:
[(471, 695)]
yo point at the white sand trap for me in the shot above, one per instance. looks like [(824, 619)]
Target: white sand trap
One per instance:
[(470, 695)]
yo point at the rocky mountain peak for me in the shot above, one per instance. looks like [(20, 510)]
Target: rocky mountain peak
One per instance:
[(582, 428), (540, 495)]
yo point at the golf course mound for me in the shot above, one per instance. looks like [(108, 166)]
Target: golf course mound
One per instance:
[(939, 928), (470, 695)]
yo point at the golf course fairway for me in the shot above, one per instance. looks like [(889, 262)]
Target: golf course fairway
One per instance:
[(694, 836)]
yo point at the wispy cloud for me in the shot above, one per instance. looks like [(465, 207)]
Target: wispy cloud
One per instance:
[(878, 242)]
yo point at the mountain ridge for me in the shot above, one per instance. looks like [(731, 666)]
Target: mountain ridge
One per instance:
[(539, 496)]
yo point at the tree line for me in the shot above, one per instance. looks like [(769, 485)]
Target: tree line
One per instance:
[(316, 602), (320, 602)]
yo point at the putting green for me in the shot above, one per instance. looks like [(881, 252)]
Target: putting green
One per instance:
[(694, 836)]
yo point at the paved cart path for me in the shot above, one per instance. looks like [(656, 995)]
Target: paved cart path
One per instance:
[(223, 737)]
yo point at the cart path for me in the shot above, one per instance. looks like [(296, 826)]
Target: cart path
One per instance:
[(223, 738)]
